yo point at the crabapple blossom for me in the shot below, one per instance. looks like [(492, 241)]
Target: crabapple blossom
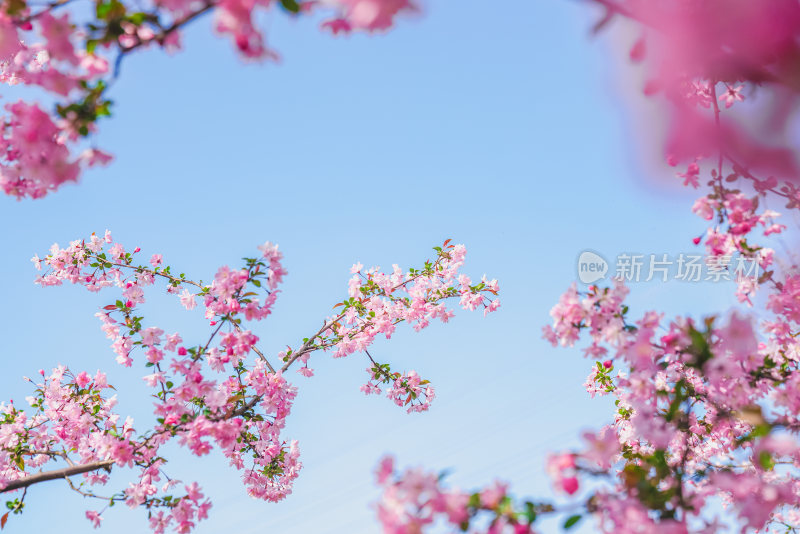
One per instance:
[(414, 500), (709, 54), (73, 55), (706, 410), (219, 393)]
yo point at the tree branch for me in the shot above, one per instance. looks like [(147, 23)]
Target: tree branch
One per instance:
[(56, 474)]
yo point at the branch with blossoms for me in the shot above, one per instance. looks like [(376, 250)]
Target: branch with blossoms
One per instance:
[(222, 392), (73, 422), (75, 56), (706, 411), (704, 414), (414, 500), (697, 57)]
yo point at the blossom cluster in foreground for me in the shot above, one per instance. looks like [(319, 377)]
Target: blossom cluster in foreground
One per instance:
[(705, 431), (73, 55), (219, 392)]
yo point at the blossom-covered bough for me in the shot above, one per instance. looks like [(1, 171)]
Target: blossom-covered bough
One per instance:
[(705, 434), (222, 391), (71, 51)]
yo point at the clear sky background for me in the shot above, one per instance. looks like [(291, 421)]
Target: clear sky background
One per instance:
[(500, 125)]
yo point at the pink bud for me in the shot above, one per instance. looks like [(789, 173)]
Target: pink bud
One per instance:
[(696, 240), (181, 351), (82, 380), (608, 364), (637, 51), (570, 485), (242, 42)]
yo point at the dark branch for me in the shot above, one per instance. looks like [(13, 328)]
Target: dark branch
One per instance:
[(56, 474)]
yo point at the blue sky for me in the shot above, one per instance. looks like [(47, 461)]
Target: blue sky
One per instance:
[(501, 128)]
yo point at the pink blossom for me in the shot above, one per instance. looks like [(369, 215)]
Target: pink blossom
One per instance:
[(367, 15), (94, 517), (187, 300), (58, 32), (83, 379), (732, 95)]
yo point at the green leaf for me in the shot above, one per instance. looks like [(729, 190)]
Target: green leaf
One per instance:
[(291, 6), (572, 521), (676, 402), (760, 431), (766, 461), (530, 512), (102, 10), (137, 18)]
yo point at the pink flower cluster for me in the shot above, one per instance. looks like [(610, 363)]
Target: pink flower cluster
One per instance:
[(414, 500), (600, 311), (222, 392), (705, 411), (716, 53), (703, 414), (68, 57), (244, 413), (404, 389), (367, 15), (379, 302), (35, 153), (73, 421)]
